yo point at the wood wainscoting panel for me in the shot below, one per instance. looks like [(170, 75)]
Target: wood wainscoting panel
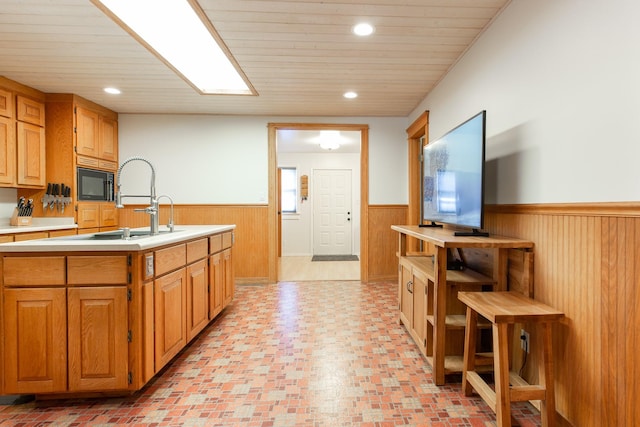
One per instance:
[(383, 242), (250, 249), (587, 264)]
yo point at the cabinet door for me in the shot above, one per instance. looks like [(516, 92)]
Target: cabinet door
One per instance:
[(6, 103), (197, 298), (420, 308), (87, 128), (7, 151), (170, 305), (108, 139), (405, 294), (227, 277), (35, 340), (31, 155), (215, 285), (88, 215), (30, 111), (108, 215), (98, 349)]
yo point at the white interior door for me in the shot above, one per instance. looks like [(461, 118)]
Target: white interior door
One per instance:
[(332, 212)]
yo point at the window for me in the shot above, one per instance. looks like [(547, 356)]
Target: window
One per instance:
[(289, 196)]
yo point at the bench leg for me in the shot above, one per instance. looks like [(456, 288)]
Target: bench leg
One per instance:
[(501, 373), (469, 363), (545, 374)]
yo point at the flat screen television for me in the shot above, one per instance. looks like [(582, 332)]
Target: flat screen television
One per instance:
[(453, 177)]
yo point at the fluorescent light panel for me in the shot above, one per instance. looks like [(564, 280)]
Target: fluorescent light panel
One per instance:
[(173, 30)]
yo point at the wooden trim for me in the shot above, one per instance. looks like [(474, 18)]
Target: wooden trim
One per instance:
[(599, 209), (419, 126), (364, 188), (418, 129)]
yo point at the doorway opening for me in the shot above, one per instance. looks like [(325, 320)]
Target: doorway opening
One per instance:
[(331, 200)]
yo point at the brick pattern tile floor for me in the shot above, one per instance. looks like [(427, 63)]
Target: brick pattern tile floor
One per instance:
[(288, 354)]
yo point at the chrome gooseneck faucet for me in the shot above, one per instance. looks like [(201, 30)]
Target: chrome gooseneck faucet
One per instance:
[(170, 225), (152, 209)]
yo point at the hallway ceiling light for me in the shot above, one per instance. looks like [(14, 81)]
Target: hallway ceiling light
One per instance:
[(330, 139), (350, 95), (182, 36)]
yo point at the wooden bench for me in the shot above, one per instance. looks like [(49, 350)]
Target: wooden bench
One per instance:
[(503, 309)]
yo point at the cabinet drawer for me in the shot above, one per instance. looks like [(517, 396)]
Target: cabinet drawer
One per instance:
[(170, 258), (196, 250), (227, 240), (20, 237), (97, 270), (30, 111), (6, 103), (33, 271), (6, 239), (60, 233), (215, 243)]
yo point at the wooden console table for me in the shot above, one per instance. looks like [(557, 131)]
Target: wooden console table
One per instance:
[(423, 293)]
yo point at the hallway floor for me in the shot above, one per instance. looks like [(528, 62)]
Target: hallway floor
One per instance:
[(321, 353)]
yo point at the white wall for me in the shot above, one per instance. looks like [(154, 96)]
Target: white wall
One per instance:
[(8, 201), (297, 229), (560, 82), (224, 159)]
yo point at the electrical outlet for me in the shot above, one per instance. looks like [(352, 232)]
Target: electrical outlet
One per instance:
[(525, 343)]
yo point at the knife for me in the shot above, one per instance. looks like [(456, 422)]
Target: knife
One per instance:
[(29, 209), (21, 206)]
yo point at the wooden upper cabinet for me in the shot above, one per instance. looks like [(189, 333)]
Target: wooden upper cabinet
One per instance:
[(108, 142), (6, 103), (87, 128), (30, 111), (31, 155), (97, 137), (7, 151)]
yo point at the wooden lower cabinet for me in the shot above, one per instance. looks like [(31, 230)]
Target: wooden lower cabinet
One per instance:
[(97, 334), (35, 340), (170, 306), (228, 278), (106, 321), (197, 298), (413, 293), (215, 285)]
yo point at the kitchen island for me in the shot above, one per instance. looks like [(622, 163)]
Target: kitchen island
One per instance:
[(100, 314)]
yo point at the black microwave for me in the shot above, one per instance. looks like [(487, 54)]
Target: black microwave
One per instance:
[(95, 185)]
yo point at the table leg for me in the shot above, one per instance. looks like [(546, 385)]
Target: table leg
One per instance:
[(501, 374), (439, 313), (469, 363), (500, 264), (545, 374)]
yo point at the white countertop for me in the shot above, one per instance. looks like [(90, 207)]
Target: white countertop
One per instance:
[(38, 224), (84, 242)]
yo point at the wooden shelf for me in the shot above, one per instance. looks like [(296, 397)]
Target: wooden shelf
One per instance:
[(454, 364), (454, 277), (459, 321)]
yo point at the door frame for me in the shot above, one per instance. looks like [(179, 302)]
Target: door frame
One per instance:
[(273, 220)]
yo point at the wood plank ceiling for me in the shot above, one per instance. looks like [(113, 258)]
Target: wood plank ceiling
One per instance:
[(300, 56)]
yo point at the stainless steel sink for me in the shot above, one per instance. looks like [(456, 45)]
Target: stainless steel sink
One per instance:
[(133, 234), (117, 235)]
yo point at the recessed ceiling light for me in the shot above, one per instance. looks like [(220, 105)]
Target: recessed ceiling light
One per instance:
[(363, 29), (181, 35), (112, 90), (350, 95)]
